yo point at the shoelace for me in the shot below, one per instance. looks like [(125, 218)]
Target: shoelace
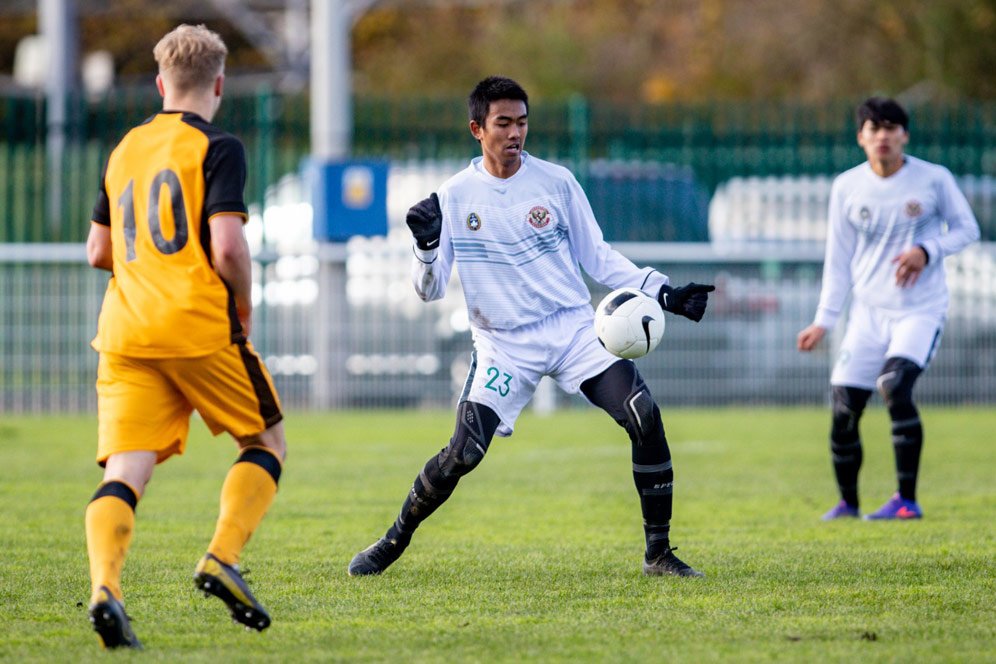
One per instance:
[(381, 553), (675, 559)]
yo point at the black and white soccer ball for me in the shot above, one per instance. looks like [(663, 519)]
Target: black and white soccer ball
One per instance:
[(629, 323)]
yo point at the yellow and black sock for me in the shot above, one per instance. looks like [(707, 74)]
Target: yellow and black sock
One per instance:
[(247, 494), (110, 522)]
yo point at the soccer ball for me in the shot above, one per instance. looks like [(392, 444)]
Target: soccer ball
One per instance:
[(629, 323)]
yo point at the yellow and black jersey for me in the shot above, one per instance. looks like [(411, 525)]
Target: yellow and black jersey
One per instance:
[(161, 186)]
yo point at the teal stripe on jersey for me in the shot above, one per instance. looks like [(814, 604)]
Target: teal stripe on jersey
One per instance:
[(499, 258), (558, 231), (469, 249)]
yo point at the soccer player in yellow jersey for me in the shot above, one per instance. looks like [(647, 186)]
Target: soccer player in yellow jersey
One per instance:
[(173, 330)]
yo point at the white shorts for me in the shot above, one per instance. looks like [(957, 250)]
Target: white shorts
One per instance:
[(874, 334), (508, 364)]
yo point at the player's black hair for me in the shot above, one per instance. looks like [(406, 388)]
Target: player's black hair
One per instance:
[(492, 89), (879, 110)]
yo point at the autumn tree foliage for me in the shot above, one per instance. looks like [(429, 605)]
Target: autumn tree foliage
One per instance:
[(653, 51)]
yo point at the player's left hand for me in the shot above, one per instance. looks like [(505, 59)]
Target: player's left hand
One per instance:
[(688, 301), (810, 337), (909, 265)]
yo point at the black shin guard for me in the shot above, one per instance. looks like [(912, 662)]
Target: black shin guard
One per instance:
[(475, 427), (621, 392), (422, 500), (845, 440), (896, 386)]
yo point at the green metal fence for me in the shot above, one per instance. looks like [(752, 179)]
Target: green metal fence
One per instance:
[(699, 146)]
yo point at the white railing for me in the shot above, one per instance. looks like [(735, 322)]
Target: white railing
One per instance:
[(340, 326)]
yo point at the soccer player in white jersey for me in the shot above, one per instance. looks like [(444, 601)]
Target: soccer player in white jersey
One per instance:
[(893, 219), (517, 228)]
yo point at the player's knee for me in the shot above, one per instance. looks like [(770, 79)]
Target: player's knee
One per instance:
[(272, 439), (476, 426), (847, 405), (461, 456), (131, 468), (896, 381), (643, 416)]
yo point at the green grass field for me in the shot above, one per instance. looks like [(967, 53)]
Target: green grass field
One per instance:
[(537, 555)]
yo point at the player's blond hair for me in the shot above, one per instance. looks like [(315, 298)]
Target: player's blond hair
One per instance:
[(191, 57)]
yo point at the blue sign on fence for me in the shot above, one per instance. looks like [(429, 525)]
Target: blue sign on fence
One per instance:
[(349, 198)]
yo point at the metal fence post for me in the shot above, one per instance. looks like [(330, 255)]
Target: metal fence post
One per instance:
[(264, 143), (578, 130)]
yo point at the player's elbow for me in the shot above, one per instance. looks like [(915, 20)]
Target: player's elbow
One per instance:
[(229, 253), (99, 255), (974, 233), (95, 256)]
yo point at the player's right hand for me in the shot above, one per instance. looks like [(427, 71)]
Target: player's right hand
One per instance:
[(810, 337), (425, 219)]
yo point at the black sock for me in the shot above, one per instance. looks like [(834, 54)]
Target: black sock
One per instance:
[(846, 464), (907, 442), (896, 384), (654, 479), (845, 439)]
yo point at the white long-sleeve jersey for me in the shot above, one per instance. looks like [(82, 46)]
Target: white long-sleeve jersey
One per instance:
[(517, 244), (874, 219)]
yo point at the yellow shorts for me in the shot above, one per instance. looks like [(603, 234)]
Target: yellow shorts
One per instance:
[(145, 404)]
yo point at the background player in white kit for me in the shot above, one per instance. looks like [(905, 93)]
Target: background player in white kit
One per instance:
[(887, 241), (517, 227)]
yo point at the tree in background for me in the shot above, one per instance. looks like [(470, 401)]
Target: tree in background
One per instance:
[(665, 50), (641, 50)]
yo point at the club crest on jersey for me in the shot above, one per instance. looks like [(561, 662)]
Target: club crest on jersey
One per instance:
[(473, 221), (539, 217), (913, 209), (864, 223)]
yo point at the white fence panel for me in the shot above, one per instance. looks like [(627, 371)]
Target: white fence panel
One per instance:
[(340, 327)]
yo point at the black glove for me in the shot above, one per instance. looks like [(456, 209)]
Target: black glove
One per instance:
[(425, 219), (688, 301)]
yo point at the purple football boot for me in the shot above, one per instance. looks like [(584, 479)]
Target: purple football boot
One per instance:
[(896, 508), (841, 511)]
